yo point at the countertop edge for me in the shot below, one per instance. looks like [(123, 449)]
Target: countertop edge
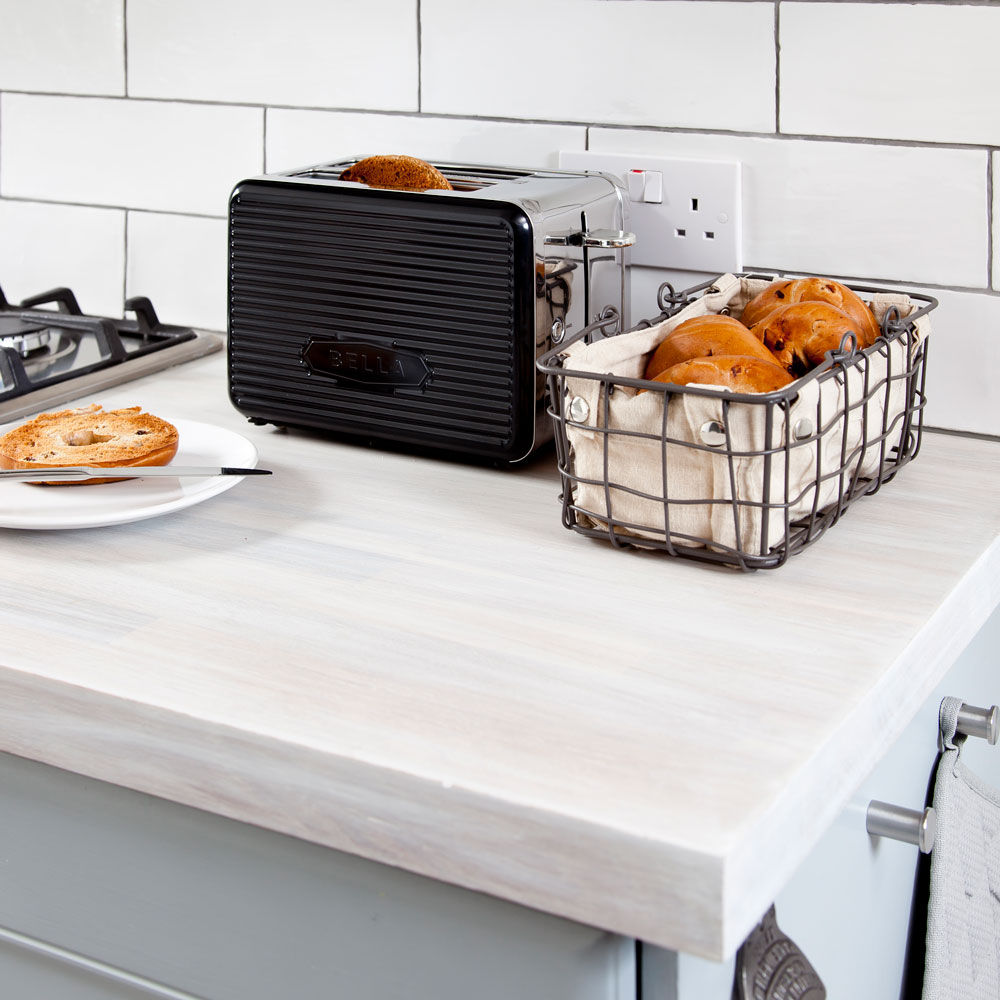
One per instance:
[(278, 786), (885, 712)]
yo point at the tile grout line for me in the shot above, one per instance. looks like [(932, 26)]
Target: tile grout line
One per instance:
[(861, 279), (777, 67), (923, 3), (125, 225), (125, 43), (851, 140), (990, 211), (869, 3), (98, 206), (264, 110), (125, 262)]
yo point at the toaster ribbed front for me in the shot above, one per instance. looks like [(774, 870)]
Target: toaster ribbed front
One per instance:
[(383, 314)]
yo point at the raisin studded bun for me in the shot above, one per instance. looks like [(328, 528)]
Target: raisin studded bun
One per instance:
[(400, 173), (706, 336), (739, 373), (783, 293), (89, 436), (765, 302), (801, 334)]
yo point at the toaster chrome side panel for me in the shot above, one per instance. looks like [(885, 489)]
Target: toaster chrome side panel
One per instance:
[(414, 317), (575, 284)]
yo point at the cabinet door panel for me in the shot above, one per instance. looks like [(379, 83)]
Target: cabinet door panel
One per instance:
[(227, 911)]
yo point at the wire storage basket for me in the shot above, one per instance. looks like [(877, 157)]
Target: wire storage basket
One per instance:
[(738, 479)]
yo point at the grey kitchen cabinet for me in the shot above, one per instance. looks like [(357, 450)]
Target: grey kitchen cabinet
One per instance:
[(108, 893)]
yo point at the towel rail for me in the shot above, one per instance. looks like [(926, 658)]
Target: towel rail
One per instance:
[(983, 723)]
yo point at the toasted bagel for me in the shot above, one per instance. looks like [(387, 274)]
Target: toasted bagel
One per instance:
[(89, 436)]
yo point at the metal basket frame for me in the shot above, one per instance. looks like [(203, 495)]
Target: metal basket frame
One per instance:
[(799, 531)]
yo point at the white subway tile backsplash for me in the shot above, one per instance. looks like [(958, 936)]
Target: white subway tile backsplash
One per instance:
[(298, 52), (102, 161), (890, 212), (962, 361), (303, 138), (670, 63), (179, 262), (892, 70), (59, 47), (134, 154), (51, 246)]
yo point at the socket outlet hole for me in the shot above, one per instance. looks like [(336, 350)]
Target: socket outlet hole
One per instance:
[(709, 235), (680, 232), (694, 204)]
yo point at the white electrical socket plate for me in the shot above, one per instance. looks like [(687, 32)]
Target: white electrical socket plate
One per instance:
[(697, 226)]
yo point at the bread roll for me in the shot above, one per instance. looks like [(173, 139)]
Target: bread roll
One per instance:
[(706, 336), (782, 293), (801, 334), (765, 302), (89, 436), (399, 173), (739, 373)]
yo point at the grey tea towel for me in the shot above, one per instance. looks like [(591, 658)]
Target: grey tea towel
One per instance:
[(963, 913)]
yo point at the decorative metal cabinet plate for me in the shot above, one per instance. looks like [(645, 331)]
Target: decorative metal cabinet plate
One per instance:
[(771, 966)]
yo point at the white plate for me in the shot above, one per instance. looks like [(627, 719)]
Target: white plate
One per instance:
[(23, 505)]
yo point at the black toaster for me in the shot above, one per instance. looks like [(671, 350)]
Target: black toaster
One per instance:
[(416, 318)]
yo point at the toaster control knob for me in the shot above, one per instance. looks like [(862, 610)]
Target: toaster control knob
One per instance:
[(557, 332), (608, 238), (604, 238)]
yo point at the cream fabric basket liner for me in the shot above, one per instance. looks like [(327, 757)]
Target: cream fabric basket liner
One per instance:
[(639, 461)]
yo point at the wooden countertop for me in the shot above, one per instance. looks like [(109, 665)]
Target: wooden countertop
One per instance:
[(413, 661)]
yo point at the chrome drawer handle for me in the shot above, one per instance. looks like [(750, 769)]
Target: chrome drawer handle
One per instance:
[(911, 826)]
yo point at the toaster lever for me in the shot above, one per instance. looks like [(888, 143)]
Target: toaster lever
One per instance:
[(607, 238)]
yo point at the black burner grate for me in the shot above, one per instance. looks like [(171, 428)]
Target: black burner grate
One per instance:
[(42, 347)]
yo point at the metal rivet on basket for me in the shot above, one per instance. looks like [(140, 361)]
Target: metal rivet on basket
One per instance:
[(713, 433), (579, 409), (802, 429), (558, 331)]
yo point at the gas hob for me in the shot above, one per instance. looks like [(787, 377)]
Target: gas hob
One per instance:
[(51, 352)]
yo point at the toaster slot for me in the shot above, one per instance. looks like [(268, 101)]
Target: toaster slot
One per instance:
[(461, 177)]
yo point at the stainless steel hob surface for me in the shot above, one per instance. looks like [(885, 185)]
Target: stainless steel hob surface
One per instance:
[(52, 352)]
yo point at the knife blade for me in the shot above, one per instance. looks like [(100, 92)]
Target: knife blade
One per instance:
[(75, 473)]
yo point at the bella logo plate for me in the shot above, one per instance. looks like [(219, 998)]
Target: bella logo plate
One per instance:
[(368, 366)]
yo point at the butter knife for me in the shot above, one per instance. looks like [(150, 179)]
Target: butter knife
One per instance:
[(75, 473)]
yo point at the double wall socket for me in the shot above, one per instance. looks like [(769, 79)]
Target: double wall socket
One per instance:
[(686, 214)]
